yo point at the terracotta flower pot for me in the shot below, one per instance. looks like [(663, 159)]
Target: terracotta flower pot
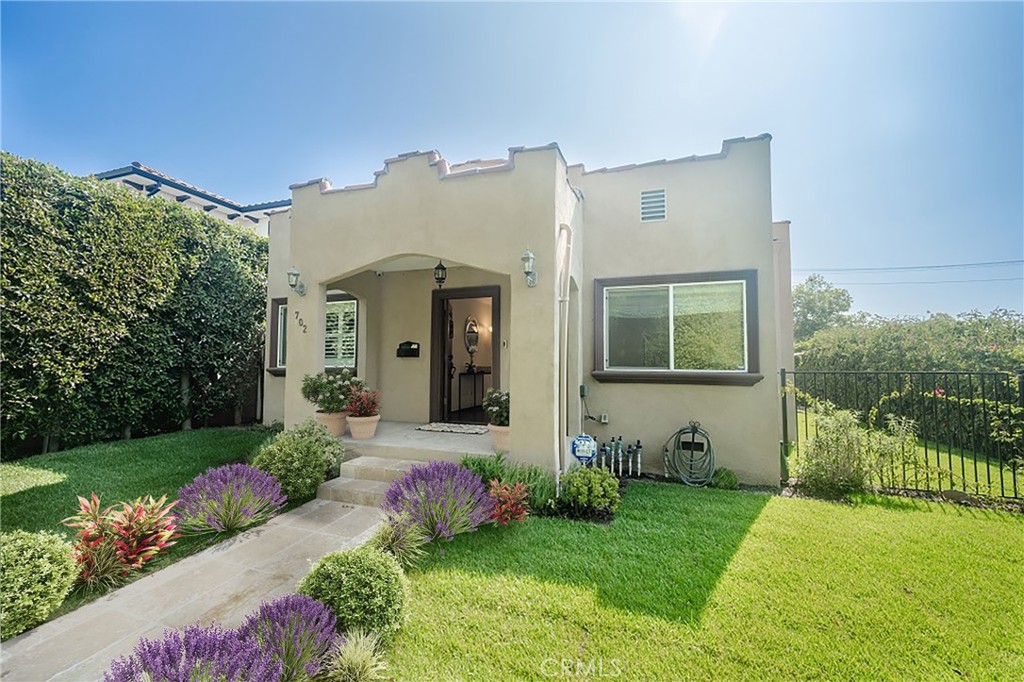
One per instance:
[(363, 428), (334, 422), (500, 437)]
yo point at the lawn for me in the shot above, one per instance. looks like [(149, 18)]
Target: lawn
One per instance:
[(36, 493), (691, 584)]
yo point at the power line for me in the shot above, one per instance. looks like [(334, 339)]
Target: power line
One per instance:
[(934, 281), (907, 268)]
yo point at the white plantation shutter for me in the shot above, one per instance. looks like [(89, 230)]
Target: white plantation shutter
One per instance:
[(340, 334)]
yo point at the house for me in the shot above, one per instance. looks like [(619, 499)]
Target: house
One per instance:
[(562, 281), (154, 183)]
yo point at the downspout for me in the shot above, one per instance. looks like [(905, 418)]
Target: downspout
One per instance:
[(563, 351)]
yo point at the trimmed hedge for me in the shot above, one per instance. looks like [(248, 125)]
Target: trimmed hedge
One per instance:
[(365, 588), (300, 458), (38, 572), (121, 314)]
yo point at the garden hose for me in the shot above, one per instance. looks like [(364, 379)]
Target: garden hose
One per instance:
[(690, 456)]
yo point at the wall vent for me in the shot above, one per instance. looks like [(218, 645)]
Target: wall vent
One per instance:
[(652, 204)]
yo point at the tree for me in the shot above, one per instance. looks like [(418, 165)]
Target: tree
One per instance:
[(817, 305)]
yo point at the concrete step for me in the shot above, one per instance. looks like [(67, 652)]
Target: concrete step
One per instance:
[(364, 492), (370, 468), (411, 451)]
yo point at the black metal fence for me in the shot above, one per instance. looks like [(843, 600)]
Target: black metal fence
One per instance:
[(969, 425)]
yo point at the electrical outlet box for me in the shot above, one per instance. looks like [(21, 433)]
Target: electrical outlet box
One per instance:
[(603, 418), (583, 390)]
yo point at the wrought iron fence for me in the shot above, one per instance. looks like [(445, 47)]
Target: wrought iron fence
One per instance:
[(969, 425)]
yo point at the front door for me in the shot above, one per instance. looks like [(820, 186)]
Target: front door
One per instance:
[(462, 364)]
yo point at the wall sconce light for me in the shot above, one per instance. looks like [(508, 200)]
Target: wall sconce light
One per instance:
[(297, 285), (440, 274), (528, 268)]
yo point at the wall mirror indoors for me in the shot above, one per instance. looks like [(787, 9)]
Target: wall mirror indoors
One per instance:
[(472, 336)]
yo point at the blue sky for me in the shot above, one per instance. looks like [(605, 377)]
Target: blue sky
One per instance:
[(898, 128)]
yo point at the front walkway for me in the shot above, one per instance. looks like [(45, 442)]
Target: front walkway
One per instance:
[(223, 583)]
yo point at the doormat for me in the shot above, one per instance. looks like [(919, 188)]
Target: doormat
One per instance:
[(440, 427)]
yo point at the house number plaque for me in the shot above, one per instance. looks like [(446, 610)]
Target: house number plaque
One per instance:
[(301, 322)]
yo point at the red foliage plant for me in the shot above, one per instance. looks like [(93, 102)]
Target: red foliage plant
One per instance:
[(114, 541), (509, 502)]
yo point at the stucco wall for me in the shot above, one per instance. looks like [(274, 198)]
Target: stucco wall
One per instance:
[(481, 221), (719, 218), (277, 287)]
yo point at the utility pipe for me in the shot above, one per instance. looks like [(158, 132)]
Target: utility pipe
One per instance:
[(563, 349)]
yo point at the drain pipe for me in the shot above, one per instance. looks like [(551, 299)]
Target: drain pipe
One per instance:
[(563, 351)]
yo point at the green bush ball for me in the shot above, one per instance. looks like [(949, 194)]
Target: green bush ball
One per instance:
[(38, 571), (299, 458), (365, 588)]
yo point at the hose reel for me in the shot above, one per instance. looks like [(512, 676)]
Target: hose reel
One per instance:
[(690, 456)]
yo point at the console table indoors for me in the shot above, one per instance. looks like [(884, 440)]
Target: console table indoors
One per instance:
[(471, 388)]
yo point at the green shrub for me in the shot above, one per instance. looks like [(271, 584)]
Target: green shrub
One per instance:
[(330, 391), (299, 458), (365, 588), (355, 659), (496, 405), (103, 324), (540, 483), (588, 492), (725, 479), (38, 572), (401, 538)]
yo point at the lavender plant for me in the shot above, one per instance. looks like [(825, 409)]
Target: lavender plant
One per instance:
[(297, 630), (228, 498), (197, 655), (443, 498)]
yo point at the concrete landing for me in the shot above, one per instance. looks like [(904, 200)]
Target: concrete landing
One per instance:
[(401, 440), (223, 583)]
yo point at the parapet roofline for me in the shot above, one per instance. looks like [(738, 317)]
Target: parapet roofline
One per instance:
[(162, 179), (726, 145), (445, 169)]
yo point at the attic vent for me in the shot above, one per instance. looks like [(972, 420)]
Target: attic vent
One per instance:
[(652, 204)]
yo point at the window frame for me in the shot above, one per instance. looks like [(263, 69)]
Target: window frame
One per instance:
[(337, 298), (748, 377), (275, 367)]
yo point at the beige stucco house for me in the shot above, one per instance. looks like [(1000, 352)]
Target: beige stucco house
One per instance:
[(663, 288)]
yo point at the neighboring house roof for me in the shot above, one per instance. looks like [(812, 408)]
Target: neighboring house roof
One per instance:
[(152, 181)]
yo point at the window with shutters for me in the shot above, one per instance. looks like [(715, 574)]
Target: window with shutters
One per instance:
[(340, 334), (652, 205), (686, 328)]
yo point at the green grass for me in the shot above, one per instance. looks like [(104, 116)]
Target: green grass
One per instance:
[(971, 471), (691, 584), (36, 493)]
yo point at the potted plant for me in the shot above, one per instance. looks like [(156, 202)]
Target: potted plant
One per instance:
[(363, 413), (496, 407), (330, 392)]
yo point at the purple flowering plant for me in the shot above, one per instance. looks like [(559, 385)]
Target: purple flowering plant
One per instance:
[(197, 655), (229, 498), (298, 630), (443, 498)]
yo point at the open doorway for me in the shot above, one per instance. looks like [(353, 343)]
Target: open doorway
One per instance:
[(465, 352)]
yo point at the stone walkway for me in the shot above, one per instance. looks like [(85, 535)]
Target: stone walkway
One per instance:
[(223, 583)]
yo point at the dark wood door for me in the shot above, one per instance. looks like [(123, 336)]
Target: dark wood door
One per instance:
[(449, 360)]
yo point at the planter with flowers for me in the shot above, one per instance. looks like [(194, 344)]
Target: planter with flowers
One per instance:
[(331, 392), (496, 407), (363, 413)]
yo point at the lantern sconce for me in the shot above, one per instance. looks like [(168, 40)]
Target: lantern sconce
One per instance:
[(296, 284), (528, 268), (440, 274)]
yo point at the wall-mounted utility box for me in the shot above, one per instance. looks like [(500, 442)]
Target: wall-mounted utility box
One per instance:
[(408, 349)]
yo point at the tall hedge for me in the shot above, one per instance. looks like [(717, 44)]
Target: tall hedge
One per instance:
[(109, 300)]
